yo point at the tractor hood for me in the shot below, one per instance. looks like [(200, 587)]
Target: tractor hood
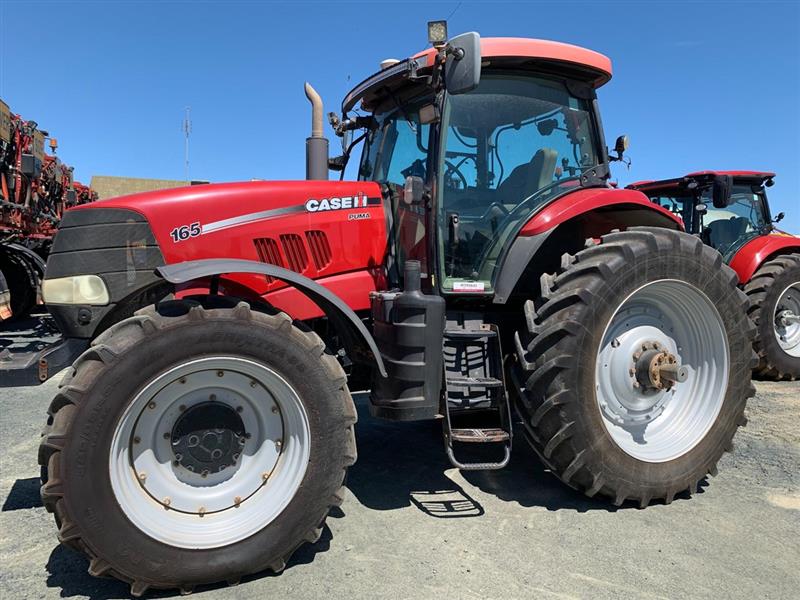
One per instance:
[(222, 220), (331, 231)]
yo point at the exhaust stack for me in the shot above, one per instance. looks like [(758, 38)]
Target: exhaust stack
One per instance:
[(317, 144)]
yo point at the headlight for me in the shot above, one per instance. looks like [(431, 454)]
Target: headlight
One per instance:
[(78, 289)]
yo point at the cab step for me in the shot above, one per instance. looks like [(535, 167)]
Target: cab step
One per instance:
[(476, 406)]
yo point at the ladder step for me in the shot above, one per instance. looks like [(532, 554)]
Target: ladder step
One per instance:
[(469, 334), (480, 436), (467, 382)]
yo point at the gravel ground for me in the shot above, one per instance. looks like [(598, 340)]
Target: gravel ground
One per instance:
[(412, 527)]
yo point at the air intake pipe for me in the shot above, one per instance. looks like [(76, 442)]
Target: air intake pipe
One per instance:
[(317, 144)]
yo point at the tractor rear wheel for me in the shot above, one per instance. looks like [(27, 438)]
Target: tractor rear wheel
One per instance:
[(21, 283), (774, 293), (192, 445), (634, 367)]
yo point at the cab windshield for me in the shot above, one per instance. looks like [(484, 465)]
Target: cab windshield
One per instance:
[(725, 229), (509, 147)]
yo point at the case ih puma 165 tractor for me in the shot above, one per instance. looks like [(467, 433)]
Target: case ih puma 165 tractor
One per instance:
[(730, 212), (479, 263)]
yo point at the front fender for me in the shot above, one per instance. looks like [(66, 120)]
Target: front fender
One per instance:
[(358, 342), (599, 211), (758, 250)]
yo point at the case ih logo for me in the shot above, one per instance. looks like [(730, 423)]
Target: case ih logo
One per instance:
[(345, 202)]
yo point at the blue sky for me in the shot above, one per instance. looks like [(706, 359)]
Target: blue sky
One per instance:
[(697, 85)]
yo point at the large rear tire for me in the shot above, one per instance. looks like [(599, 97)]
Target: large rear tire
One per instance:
[(634, 368), (190, 445), (774, 294), (22, 282)]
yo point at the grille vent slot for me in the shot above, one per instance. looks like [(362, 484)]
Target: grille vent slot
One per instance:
[(267, 250), (295, 252), (320, 248)]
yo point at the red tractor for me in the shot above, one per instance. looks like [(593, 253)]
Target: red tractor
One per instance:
[(480, 266), (729, 211)]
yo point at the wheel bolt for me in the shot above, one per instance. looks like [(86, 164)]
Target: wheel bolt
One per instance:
[(137, 439), (220, 373), (615, 343), (142, 477), (166, 502), (278, 444), (275, 409), (631, 372), (201, 511), (204, 474), (239, 409), (265, 475), (151, 406), (237, 501), (252, 383), (182, 407), (212, 397), (183, 379), (166, 435), (636, 384)]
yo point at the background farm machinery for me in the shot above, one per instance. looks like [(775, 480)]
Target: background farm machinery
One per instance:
[(35, 189)]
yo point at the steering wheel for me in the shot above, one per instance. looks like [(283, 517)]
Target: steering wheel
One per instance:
[(451, 168)]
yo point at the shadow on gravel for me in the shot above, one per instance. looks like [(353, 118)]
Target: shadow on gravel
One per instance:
[(24, 494), (68, 570), (400, 464)]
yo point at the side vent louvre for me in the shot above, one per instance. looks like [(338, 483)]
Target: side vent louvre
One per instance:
[(320, 248), (295, 252), (267, 250)]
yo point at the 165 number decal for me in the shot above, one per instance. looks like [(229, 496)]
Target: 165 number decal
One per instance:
[(184, 232)]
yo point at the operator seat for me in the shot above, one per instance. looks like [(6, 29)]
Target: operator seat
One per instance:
[(725, 232), (529, 177)]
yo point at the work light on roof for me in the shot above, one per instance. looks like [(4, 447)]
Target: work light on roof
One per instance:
[(437, 32)]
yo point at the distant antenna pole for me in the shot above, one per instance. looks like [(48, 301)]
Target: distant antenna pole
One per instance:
[(187, 129)]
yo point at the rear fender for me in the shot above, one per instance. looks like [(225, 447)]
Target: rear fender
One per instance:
[(757, 251), (565, 224), (358, 342)]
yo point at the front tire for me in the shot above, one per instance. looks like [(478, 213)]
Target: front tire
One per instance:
[(191, 445), (634, 368), (774, 294)]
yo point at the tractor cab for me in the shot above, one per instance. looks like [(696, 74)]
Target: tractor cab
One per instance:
[(726, 209), (465, 164)]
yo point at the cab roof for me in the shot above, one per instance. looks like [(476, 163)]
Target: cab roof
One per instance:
[(575, 62), (667, 183), (593, 62)]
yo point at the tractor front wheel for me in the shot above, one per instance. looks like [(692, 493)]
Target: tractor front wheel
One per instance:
[(193, 445), (774, 293), (634, 368)]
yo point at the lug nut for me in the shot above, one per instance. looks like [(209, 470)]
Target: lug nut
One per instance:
[(265, 475), (220, 373), (201, 511), (252, 383), (237, 501), (166, 435), (212, 397), (239, 409), (278, 444), (142, 477), (275, 408), (166, 502), (182, 407), (151, 406), (183, 380), (137, 439)]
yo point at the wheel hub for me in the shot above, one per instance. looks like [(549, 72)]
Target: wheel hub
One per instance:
[(208, 438), (657, 369)]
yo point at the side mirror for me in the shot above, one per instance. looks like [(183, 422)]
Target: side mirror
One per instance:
[(721, 191), (462, 71), (413, 190), (778, 218)]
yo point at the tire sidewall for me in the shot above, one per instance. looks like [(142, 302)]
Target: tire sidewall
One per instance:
[(765, 319), (588, 417), (90, 499)]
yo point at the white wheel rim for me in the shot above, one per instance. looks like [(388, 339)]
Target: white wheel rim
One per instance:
[(655, 425), (181, 508), (787, 320)]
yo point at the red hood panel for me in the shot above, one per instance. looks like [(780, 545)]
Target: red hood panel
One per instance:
[(317, 228)]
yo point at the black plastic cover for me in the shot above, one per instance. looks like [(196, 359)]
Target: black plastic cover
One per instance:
[(408, 327)]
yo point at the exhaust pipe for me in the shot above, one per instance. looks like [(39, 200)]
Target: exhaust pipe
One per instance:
[(317, 144)]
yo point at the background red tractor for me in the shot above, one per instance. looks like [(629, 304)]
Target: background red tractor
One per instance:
[(480, 264), (730, 212)]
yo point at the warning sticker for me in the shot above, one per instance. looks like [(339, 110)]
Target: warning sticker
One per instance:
[(468, 286)]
